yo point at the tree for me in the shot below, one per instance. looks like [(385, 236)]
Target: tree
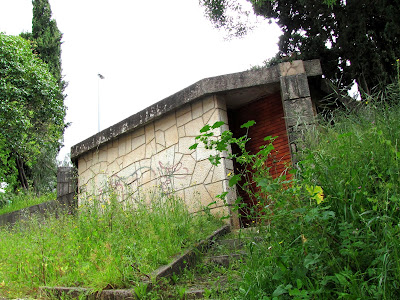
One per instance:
[(355, 40), (46, 38), (46, 41), (31, 111)]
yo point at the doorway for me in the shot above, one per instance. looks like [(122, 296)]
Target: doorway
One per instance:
[(268, 114)]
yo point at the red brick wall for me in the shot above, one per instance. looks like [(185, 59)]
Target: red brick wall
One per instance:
[(269, 116)]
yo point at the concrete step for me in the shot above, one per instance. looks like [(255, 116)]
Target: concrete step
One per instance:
[(219, 263), (233, 243), (224, 260), (203, 290)]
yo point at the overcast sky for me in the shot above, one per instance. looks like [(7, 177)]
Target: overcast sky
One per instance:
[(146, 51)]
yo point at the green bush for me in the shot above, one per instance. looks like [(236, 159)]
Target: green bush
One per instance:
[(332, 231)]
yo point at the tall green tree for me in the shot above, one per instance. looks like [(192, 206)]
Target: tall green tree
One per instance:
[(46, 38), (46, 41), (31, 111), (355, 40)]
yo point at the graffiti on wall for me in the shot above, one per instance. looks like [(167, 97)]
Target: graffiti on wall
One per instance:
[(168, 173), (126, 182)]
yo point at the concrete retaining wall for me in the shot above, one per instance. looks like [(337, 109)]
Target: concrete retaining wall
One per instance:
[(65, 202)]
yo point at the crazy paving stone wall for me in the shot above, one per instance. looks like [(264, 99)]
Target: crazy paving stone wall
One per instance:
[(157, 155)]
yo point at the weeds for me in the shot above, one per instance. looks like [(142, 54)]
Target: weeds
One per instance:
[(332, 230), (10, 202), (104, 246)]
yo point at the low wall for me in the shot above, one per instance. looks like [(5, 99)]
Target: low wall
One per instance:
[(65, 202)]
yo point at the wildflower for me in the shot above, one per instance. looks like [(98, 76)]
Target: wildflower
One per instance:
[(303, 238), (229, 174), (316, 193)]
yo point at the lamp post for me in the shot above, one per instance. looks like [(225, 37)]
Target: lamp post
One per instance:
[(98, 100)]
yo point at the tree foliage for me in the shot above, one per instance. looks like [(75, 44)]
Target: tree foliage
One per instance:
[(31, 113), (46, 43), (46, 38), (355, 40)]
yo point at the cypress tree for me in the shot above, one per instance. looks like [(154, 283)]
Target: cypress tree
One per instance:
[(47, 38)]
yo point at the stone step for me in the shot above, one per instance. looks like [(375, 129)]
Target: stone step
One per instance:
[(233, 243), (224, 260), (202, 290)]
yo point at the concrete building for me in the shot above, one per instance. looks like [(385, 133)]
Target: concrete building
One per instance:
[(151, 148)]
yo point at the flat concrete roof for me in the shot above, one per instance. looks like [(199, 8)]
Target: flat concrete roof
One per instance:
[(237, 88)]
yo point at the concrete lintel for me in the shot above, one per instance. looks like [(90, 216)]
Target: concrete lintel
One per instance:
[(313, 67)]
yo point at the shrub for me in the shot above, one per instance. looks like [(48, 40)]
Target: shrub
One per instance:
[(332, 230)]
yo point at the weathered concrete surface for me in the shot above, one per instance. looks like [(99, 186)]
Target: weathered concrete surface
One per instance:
[(297, 104), (158, 155), (66, 181)]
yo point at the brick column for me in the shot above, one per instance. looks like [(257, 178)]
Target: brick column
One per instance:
[(297, 104)]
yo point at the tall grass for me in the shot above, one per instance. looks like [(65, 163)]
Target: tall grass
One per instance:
[(333, 230), (334, 233), (11, 201), (104, 246)]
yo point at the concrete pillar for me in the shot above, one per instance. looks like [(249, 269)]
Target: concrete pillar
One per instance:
[(297, 104), (66, 181)]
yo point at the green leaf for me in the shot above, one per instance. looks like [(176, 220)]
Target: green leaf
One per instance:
[(299, 283), (311, 259), (218, 124), (194, 146), (268, 138), (234, 180), (280, 290), (205, 128), (248, 124)]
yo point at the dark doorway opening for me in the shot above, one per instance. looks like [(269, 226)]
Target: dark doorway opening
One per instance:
[(268, 114)]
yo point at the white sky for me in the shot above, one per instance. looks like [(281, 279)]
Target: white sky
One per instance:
[(146, 50)]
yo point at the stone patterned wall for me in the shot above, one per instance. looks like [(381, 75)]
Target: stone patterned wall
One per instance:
[(158, 155)]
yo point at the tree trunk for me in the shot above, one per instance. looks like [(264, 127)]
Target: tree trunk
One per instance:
[(21, 173)]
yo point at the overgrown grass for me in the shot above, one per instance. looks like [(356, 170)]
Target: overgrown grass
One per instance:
[(10, 202), (105, 246), (333, 230), (334, 233)]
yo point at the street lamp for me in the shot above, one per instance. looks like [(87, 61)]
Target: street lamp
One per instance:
[(98, 100)]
